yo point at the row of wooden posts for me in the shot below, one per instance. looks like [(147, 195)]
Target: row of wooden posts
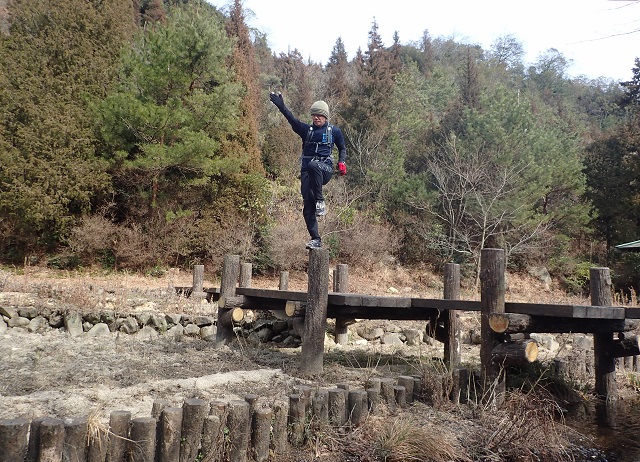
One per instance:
[(498, 348), (235, 431)]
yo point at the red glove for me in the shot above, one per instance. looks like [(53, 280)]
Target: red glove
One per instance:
[(342, 168)]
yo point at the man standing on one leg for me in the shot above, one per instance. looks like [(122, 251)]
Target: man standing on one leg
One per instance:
[(316, 167)]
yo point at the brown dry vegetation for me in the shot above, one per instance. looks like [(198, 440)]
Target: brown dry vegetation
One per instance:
[(55, 375)]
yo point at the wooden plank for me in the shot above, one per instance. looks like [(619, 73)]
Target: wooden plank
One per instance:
[(632, 313), (566, 311), (345, 299), (376, 312), (276, 294), (388, 302), (442, 305)]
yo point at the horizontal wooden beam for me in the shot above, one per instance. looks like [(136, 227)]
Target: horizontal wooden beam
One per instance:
[(276, 299)]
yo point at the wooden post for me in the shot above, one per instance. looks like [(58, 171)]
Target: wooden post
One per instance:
[(400, 394), (171, 431), (337, 406), (284, 280), (452, 347), (198, 282), (492, 266), (358, 407), (407, 382), (230, 270), (239, 430), (296, 419), (51, 440), (194, 410), (75, 439), (260, 434), (280, 417), (142, 445), (14, 442), (315, 319), (320, 406), (212, 438), (604, 363), (118, 435), (341, 285), (245, 274)]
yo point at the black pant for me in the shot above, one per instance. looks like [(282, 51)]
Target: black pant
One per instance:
[(313, 175)]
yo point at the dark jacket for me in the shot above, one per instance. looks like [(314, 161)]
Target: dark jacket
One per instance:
[(316, 142)]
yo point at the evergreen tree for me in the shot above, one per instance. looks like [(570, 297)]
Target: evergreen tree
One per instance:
[(175, 103), (58, 55), (244, 142)]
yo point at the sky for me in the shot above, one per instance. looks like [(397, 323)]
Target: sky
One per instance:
[(595, 35)]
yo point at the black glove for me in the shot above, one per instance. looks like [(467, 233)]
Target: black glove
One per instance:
[(276, 98)]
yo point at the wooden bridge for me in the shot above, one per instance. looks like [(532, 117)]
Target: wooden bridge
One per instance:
[(504, 325)]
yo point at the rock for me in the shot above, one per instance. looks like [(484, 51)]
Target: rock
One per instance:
[(129, 326), (8, 312), (202, 321), (28, 312), (279, 326), (38, 324), (56, 320), (99, 330), (73, 323), (547, 341), (391, 338), (18, 321), (584, 342), (370, 333), (191, 330), (208, 333), (93, 318), (414, 337), (143, 318), (3, 326), (173, 319), (177, 331), (542, 274), (147, 333), (392, 290), (159, 322)]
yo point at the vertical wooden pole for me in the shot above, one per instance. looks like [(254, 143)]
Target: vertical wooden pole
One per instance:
[(315, 319), (246, 270), (51, 440), (171, 434), (118, 435), (230, 270), (239, 430), (142, 444), (284, 280), (14, 440), (198, 282), (492, 267), (604, 364), (452, 347), (194, 411), (75, 439), (260, 434), (341, 284)]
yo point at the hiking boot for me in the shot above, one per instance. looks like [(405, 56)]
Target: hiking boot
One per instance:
[(321, 208), (314, 244)]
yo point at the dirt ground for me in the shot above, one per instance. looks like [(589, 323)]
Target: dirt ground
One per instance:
[(54, 375)]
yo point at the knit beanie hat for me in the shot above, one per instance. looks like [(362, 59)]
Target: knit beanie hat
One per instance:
[(320, 108)]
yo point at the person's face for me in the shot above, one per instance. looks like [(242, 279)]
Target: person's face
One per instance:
[(318, 120)]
